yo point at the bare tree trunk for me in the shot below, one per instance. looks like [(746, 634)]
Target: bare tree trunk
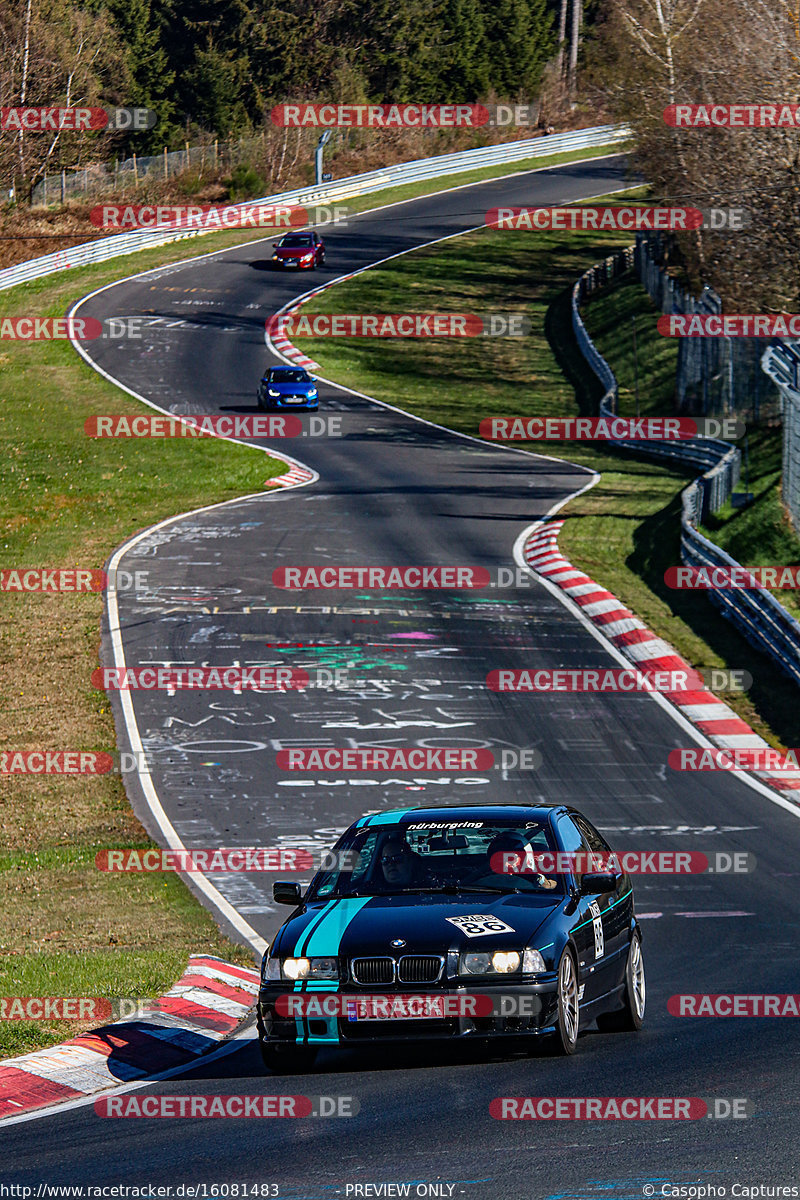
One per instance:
[(575, 33), (562, 34), (24, 90)]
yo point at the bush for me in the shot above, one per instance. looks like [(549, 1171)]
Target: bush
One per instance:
[(245, 183)]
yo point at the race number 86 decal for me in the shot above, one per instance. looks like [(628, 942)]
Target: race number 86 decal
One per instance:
[(480, 924), (597, 922)]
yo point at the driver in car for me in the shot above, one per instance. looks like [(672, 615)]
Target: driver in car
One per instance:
[(510, 853), (398, 864)]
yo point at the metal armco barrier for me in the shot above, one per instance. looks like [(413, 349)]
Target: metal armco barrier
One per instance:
[(756, 613), (355, 185)]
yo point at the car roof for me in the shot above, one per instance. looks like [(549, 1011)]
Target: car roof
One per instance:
[(464, 813)]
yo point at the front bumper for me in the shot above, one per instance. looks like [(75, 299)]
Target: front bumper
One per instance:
[(280, 404), (520, 1009), (294, 262)]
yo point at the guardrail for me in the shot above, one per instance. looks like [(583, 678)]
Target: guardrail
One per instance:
[(354, 185), (756, 613)]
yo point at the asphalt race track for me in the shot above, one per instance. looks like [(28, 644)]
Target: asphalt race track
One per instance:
[(392, 490)]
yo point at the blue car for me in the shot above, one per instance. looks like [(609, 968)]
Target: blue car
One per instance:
[(288, 387), (474, 923)]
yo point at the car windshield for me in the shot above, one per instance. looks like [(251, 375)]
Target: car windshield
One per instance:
[(288, 375), (434, 856), (296, 239)]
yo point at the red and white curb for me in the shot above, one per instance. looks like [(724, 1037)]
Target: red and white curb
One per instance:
[(286, 348), (297, 474), (203, 1008), (715, 720)]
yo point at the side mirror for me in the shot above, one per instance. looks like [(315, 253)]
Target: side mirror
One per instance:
[(286, 893), (313, 378), (596, 882), (274, 243)]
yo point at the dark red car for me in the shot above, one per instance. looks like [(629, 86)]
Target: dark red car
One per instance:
[(302, 250)]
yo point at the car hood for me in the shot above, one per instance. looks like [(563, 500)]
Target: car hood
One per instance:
[(368, 925), (293, 251)]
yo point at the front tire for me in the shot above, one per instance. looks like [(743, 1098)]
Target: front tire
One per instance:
[(569, 1017), (631, 1016)]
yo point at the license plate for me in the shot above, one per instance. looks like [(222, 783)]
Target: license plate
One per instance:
[(432, 1009)]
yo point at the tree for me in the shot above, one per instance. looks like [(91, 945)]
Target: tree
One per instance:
[(521, 40), (149, 81), (64, 55)]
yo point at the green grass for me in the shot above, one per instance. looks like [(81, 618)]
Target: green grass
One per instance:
[(609, 319), (625, 531)]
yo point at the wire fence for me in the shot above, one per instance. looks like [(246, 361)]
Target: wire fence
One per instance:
[(715, 377), (781, 363), (101, 179)]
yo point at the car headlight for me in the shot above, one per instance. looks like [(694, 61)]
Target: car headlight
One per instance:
[(312, 394), (276, 256), (487, 962), (533, 962), (306, 257), (310, 968), (272, 392), (270, 967)]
